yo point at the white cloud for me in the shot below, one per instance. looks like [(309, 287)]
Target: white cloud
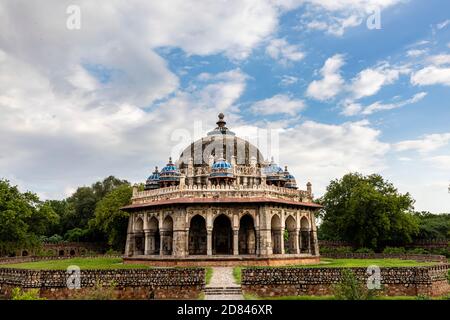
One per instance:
[(431, 75), (369, 81), (416, 52), (443, 24), (288, 80), (442, 162), (331, 83), (378, 106), (282, 51), (279, 103), (426, 144), (336, 16), (320, 152), (440, 59)]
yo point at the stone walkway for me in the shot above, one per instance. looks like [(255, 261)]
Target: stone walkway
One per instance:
[(222, 285)]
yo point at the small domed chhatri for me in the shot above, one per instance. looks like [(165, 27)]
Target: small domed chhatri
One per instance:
[(153, 180), (222, 203)]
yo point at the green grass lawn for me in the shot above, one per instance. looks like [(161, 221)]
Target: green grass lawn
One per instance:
[(83, 263), (208, 276)]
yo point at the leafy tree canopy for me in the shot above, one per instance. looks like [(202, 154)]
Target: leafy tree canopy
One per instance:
[(367, 211)]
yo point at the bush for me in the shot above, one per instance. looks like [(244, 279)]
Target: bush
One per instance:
[(335, 250), (394, 250), (351, 289), (417, 251), (364, 250), (31, 294), (98, 292)]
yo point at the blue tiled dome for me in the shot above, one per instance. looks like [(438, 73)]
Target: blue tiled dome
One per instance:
[(170, 172), (153, 180), (273, 172), (221, 169), (221, 164), (290, 179)]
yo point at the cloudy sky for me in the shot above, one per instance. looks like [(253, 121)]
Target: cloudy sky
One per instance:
[(141, 78)]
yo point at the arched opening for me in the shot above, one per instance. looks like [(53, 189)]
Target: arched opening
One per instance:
[(222, 237), (139, 236), (167, 236), (275, 226), (290, 238), (154, 241), (305, 243), (24, 253), (197, 236), (61, 253), (72, 252), (247, 235)]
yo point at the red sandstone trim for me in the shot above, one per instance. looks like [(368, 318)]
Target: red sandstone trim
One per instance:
[(220, 201)]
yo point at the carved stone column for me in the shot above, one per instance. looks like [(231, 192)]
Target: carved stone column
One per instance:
[(235, 242), (296, 233), (209, 242), (148, 243), (282, 240)]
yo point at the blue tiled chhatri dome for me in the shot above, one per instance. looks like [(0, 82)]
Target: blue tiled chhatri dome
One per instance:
[(274, 174), (290, 179), (153, 181), (170, 173), (221, 169)]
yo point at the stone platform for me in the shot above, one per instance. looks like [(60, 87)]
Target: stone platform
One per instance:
[(223, 260)]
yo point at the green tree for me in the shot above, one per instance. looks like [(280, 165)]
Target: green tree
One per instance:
[(110, 219), (367, 211), (433, 226)]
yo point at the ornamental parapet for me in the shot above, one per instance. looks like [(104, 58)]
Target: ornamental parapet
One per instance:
[(221, 191)]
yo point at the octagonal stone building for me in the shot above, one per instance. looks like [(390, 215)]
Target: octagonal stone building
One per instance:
[(221, 203)]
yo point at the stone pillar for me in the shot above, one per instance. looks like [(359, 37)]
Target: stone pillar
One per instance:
[(209, 242), (309, 242), (147, 243), (161, 242), (282, 240), (179, 243), (296, 233), (235, 242), (130, 245)]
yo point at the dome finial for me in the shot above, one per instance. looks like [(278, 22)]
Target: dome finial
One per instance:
[(221, 123)]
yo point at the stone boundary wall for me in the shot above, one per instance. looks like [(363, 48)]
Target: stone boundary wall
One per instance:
[(176, 283), (398, 281), (12, 260), (402, 256)]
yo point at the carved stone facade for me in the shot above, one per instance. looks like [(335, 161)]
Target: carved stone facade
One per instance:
[(230, 202)]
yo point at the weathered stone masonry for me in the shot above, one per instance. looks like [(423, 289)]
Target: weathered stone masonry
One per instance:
[(179, 283), (411, 281)]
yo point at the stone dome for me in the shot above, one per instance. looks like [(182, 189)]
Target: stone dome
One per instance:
[(220, 143)]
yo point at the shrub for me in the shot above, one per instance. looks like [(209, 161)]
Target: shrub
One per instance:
[(335, 250), (418, 251), (31, 294), (364, 250), (349, 288), (98, 292), (394, 250)]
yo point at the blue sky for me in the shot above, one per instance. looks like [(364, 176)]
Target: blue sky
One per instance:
[(108, 98)]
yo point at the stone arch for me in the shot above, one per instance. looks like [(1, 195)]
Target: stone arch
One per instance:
[(167, 236), (275, 228), (305, 235), (61, 253), (154, 241), (197, 235), (247, 235), (222, 235), (72, 252), (24, 253), (290, 236), (138, 228)]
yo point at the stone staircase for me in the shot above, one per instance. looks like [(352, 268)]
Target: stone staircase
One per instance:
[(223, 286), (218, 291)]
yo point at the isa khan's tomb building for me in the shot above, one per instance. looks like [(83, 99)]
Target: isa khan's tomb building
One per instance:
[(221, 203)]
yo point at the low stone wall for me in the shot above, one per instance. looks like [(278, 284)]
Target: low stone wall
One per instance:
[(177, 283), (13, 260), (402, 256), (222, 261), (406, 281)]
